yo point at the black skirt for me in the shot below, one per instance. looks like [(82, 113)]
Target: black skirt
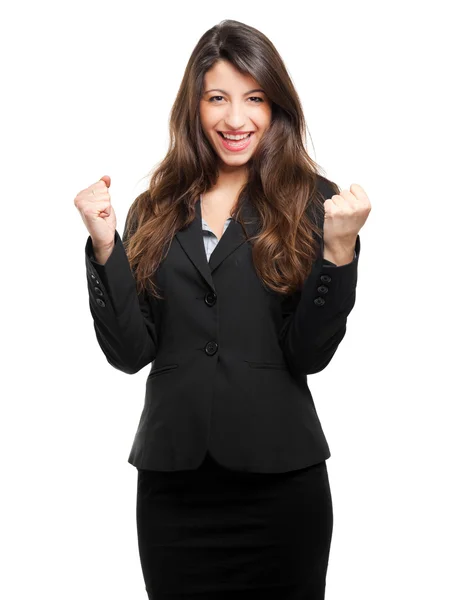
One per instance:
[(216, 534)]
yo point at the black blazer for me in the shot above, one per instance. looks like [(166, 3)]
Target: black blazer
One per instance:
[(230, 358)]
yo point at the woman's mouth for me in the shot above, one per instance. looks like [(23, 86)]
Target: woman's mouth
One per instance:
[(235, 145)]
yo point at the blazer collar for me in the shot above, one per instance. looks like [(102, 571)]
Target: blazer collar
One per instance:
[(191, 240)]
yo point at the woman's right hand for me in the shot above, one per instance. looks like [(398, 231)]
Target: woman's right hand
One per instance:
[(98, 215)]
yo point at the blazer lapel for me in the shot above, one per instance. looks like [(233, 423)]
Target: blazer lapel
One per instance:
[(191, 240)]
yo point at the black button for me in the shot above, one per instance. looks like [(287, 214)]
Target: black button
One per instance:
[(326, 278), (210, 298), (211, 348), (92, 276), (99, 291), (95, 280), (323, 289), (100, 302), (319, 301)]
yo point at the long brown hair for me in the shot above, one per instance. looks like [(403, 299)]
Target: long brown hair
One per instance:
[(282, 180)]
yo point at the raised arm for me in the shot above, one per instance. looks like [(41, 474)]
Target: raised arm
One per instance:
[(313, 330), (123, 319)]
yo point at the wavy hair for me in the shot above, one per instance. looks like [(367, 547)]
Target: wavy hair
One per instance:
[(282, 180)]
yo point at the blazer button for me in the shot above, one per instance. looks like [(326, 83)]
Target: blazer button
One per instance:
[(319, 301), (99, 291), (326, 278), (323, 289), (210, 298), (100, 302), (211, 348)]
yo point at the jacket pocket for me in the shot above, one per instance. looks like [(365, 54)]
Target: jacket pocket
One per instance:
[(266, 365), (160, 370)]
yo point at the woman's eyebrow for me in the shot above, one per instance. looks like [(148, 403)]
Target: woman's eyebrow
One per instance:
[(224, 92)]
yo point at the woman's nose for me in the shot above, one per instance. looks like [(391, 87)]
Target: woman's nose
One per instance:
[(235, 117)]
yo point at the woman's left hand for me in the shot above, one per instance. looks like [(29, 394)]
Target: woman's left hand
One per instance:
[(345, 214)]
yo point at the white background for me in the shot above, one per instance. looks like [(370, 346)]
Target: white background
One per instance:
[(87, 91)]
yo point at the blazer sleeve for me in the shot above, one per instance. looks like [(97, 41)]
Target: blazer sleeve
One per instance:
[(123, 319), (313, 331)]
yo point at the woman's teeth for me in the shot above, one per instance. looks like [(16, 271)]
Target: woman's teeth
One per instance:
[(235, 137), (236, 145)]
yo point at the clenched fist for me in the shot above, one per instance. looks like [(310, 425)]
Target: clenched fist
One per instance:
[(344, 216), (97, 213)]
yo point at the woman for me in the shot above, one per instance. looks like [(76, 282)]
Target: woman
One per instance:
[(234, 277)]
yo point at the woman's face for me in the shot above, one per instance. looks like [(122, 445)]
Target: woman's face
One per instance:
[(233, 103)]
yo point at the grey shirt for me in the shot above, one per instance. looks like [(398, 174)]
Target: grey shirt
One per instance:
[(209, 237)]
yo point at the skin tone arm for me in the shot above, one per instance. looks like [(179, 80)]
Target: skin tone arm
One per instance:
[(101, 254), (340, 256)]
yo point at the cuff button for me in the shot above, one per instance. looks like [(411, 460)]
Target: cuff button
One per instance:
[(100, 302), (319, 301), (100, 293)]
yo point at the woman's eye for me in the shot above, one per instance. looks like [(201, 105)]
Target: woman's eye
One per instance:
[(251, 98)]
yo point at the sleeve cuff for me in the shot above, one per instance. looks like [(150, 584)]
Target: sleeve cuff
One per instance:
[(328, 263), (89, 252)]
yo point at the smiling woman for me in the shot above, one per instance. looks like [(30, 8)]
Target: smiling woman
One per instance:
[(235, 121), (233, 494), (195, 534)]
